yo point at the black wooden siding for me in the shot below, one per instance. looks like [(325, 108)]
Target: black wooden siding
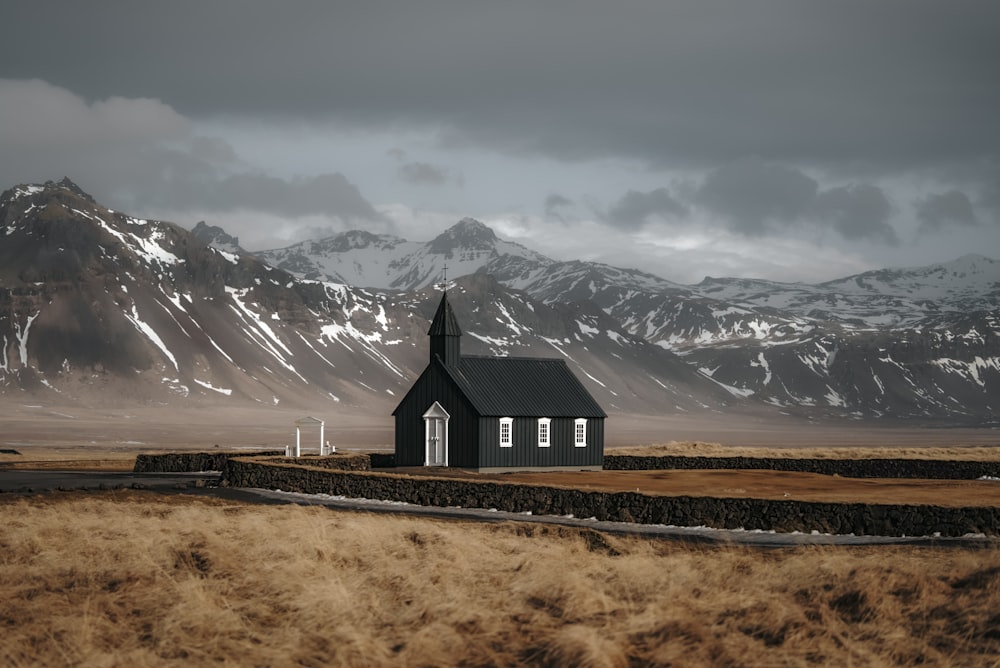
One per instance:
[(525, 452), (434, 385)]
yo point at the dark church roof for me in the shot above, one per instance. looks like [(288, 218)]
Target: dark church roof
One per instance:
[(523, 387)]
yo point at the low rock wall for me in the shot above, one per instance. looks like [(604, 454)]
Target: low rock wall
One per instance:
[(848, 468), (722, 513), (339, 462), (191, 462)]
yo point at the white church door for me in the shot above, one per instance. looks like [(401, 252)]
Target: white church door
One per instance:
[(436, 433)]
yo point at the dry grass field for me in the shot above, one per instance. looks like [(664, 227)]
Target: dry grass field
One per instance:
[(135, 579)]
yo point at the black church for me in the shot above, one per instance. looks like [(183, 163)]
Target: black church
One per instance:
[(496, 413)]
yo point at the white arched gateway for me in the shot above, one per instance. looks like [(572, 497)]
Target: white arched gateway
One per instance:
[(308, 421), (436, 435)]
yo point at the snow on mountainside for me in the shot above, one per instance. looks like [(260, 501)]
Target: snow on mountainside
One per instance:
[(386, 262), (887, 297), (919, 342), (356, 258), (98, 304), (101, 307)]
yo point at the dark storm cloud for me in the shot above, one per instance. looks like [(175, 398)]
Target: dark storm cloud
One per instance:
[(858, 212), (554, 202), (422, 173), (750, 193), (941, 209), (756, 198), (120, 147), (885, 84), (181, 181), (324, 194), (635, 207)]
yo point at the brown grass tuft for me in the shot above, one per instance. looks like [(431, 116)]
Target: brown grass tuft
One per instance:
[(128, 578)]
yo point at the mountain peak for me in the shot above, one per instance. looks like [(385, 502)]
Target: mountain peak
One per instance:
[(49, 188), (216, 237), (468, 234), (67, 184)]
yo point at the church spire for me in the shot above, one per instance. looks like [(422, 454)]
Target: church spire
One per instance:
[(445, 334)]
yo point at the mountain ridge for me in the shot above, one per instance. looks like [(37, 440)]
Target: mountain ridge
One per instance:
[(151, 314), (151, 300)]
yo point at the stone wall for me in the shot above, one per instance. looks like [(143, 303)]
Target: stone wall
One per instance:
[(722, 513), (191, 462), (848, 468)]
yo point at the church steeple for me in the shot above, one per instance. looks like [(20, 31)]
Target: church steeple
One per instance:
[(445, 334)]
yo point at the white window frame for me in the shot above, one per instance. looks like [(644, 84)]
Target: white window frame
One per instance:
[(580, 432), (544, 432), (506, 432)]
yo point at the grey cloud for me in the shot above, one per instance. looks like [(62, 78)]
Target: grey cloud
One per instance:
[(663, 82), (635, 207), (756, 198), (553, 203), (40, 117), (941, 209), (324, 194), (750, 193), (182, 182), (141, 153), (859, 211), (214, 150), (422, 173)]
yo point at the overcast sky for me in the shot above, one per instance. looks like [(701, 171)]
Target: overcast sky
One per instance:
[(790, 140)]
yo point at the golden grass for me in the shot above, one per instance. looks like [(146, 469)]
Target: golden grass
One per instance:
[(69, 459), (127, 578), (702, 449)]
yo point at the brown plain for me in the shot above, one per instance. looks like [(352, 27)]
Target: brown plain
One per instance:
[(131, 578)]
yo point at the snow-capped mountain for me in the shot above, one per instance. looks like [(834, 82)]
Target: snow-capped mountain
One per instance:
[(98, 306), (386, 262), (919, 342), (875, 299)]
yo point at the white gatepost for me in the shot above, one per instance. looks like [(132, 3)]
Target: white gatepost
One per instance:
[(308, 420)]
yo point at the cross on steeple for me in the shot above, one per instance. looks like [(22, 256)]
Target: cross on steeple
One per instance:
[(443, 285)]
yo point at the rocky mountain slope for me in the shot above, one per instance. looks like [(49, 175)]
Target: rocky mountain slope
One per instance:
[(922, 342), (101, 307)]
